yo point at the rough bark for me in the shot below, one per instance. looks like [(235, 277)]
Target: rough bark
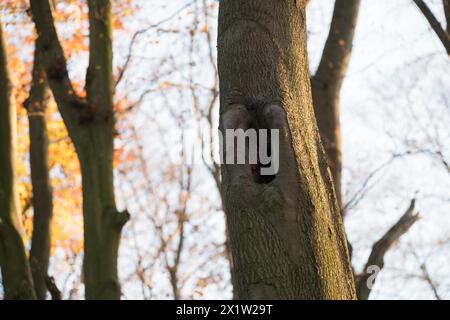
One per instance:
[(16, 275), (328, 80), (90, 124), (36, 105), (286, 234)]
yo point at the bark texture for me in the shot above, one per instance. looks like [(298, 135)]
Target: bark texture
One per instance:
[(286, 233), (90, 123), (36, 105), (16, 275), (327, 83)]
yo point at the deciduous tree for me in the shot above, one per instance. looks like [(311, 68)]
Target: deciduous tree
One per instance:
[(286, 233), (16, 274), (90, 123)]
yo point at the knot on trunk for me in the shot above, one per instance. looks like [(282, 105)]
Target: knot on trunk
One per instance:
[(116, 218), (251, 137)]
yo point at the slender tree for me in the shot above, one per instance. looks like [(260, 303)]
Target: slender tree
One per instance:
[(90, 123), (36, 106), (286, 232), (327, 83), (16, 275)]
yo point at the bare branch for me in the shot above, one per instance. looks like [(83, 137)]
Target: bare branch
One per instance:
[(434, 23), (54, 62), (138, 33), (380, 248), (52, 288), (447, 14), (427, 278)]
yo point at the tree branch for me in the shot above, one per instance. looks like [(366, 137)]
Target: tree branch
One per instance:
[(380, 248), (338, 46), (99, 77), (54, 62), (53, 288), (427, 278), (434, 23), (447, 14)]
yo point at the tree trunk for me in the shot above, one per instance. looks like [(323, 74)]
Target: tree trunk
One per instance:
[(286, 232), (95, 149), (327, 84), (36, 106), (16, 275), (91, 127)]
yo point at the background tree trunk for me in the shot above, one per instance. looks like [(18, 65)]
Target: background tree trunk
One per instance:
[(16, 274), (91, 127), (36, 106), (326, 88), (327, 83), (286, 234), (102, 222)]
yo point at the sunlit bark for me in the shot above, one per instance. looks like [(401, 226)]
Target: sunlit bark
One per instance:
[(286, 234), (16, 274)]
